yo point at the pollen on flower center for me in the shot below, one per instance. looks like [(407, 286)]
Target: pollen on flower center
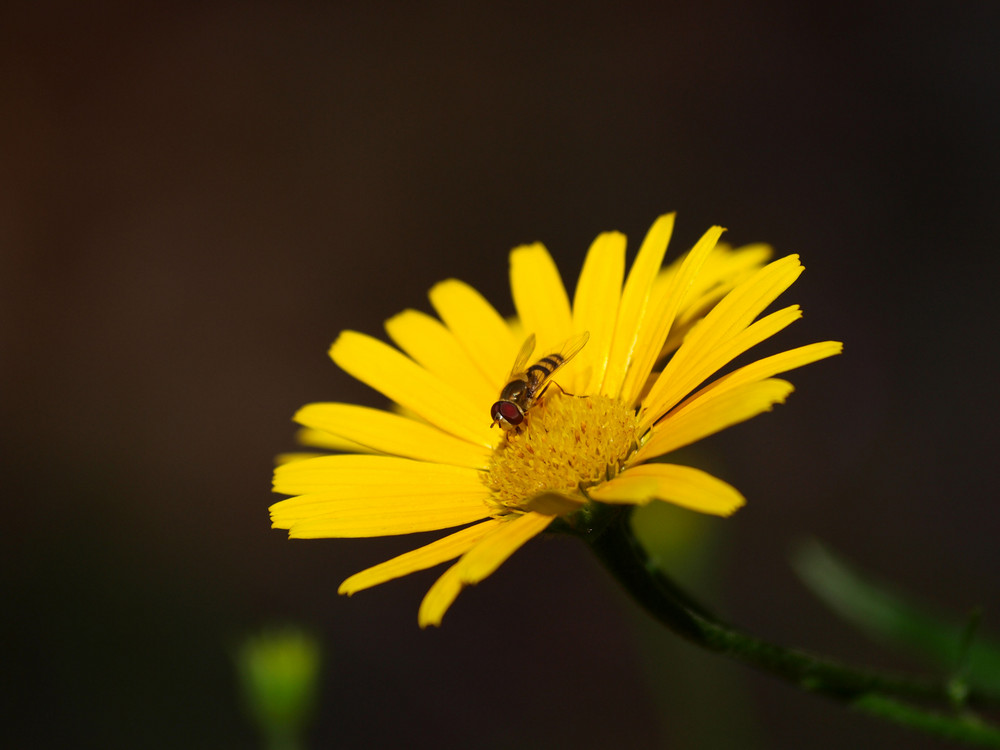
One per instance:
[(568, 442)]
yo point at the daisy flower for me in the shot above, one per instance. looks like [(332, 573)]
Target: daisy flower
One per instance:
[(645, 383)]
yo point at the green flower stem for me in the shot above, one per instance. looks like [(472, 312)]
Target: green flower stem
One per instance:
[(608, 532)]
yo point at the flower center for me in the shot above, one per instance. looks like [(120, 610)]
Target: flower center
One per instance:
[(566, 443)]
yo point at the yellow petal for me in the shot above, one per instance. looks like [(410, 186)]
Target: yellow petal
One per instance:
[(734, 262), (744, 303), (634, 300), (554, 503), (371, 522), (440, 596), (595, 306), (722, 271), (500, 544), (763, 368), (682, 485), (725, 333), (776, 363), (380, 521), (711, 413), (348, 496), (664, 309), (478, 563), (370, 474), (404, 381), (374, 430), (539, 296), (287, 458), (351, 496), (480, 329), (425, 557), (434, 347), (724, 267), (322, 439), (670, 387)]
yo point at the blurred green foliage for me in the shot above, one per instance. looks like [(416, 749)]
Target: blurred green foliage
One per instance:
[(279, 675), (889, 617)]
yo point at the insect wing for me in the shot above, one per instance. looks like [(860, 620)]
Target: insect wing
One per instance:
[(521, 363), (550, 364), (572, 347)]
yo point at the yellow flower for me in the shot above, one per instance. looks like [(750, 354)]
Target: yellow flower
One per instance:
[(436, 463)]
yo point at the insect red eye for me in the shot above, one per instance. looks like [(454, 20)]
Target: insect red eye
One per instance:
[(507, 411), (511, 413)]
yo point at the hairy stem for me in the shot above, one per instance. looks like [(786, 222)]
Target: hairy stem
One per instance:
[(609, 534)]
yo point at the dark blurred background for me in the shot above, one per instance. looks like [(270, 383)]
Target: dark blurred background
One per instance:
[(195, 199)]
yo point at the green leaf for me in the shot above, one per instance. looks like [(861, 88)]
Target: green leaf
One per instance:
[(967, 729), (890, 617), (279, 672)]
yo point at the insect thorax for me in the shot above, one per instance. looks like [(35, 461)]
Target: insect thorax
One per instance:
[(515, 390)]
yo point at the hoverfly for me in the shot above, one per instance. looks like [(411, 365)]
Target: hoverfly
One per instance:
[(525, 386)]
